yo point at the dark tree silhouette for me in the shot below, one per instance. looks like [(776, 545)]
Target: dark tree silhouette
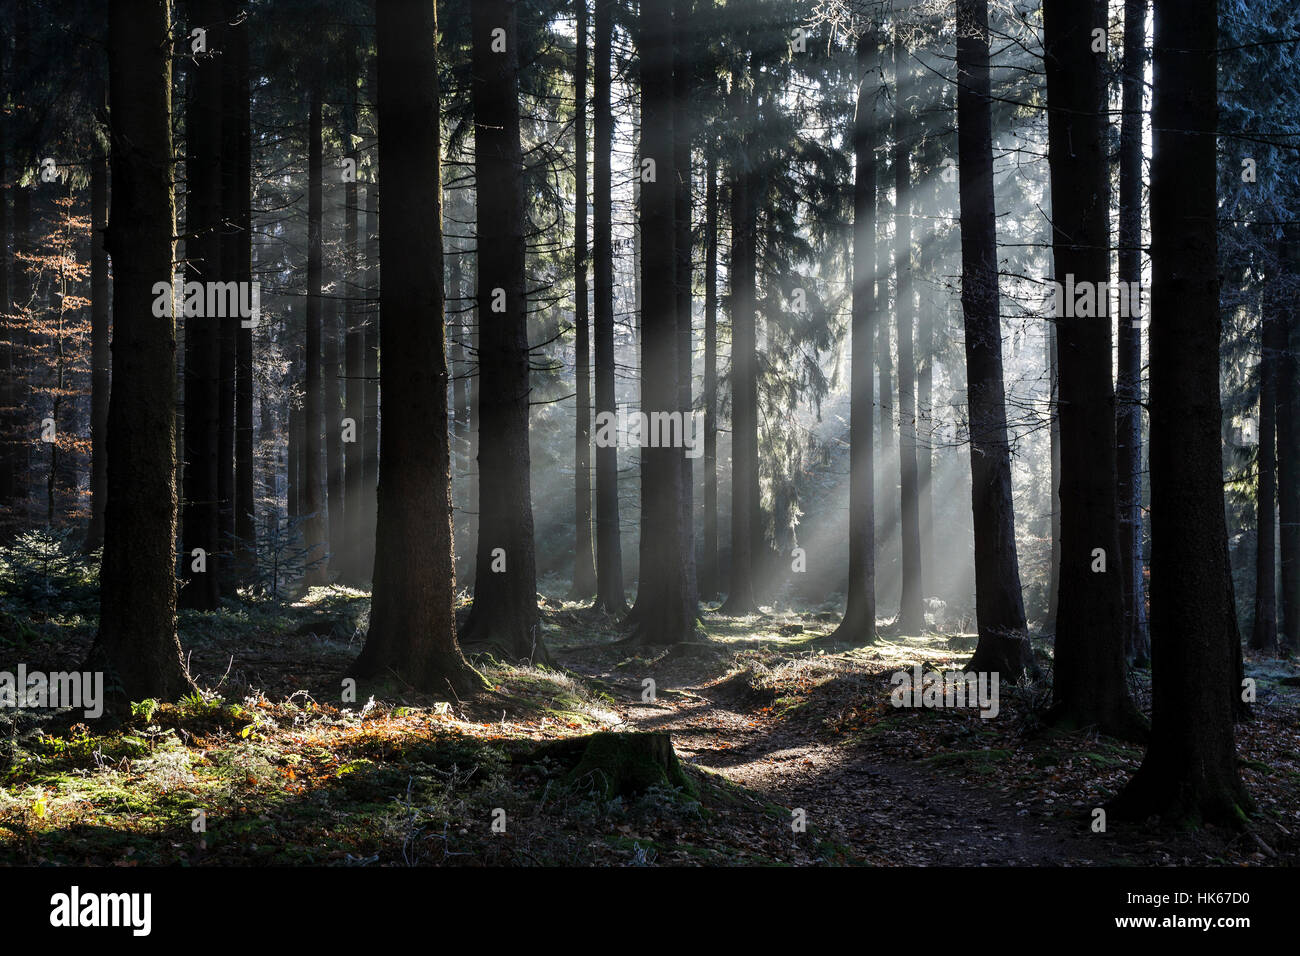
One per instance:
[(412, 634), (136, 644)]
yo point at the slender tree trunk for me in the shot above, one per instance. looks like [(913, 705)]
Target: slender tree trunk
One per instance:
[(1189, 774), (101, 357), (999, 605), (370, 428), (911, 611), (859, 623), (354, 358), (584, 562), (412, 634), (1263, 635), (664, 594), (744, 397), (245, 485), (136, 644), (228, 327), (9, 389), (201, 557), (1089, 687), (1287, 413), (609, 549), (1128, 385), (709, 577), (682, 272), (311, 484), (504, 613), (1054, 478)]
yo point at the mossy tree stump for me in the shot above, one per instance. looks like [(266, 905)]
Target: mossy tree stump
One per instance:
[(621, 764)]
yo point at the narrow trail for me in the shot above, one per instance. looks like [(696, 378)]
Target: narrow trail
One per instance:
[(880, 812)]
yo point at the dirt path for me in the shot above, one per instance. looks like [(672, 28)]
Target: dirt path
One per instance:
[(880, 812)]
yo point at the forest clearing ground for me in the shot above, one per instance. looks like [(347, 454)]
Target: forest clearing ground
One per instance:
[(765, 721), (771, 711)]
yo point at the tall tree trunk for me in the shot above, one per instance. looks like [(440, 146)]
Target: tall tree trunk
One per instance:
[(101, 358), (911, 610), (609, 549), (412, 634), (201, 557), (744, 395), (1287, 414), (709, 578), (1054, 478), (859, 623), (9, 389), (683, 63), (332, 399), (1089, 687), (1190, 770), (228, 327), (370, 427), (584, 562), (245, 504), (354, 357), (999, 605), (1263, 636), (664, 595), (311, 484), (1128, 380), (504, 613), (136, 644)]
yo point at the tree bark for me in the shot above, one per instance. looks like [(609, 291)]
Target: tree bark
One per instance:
[(200, 513), (1089, 687), (911, 610), (1263, 635), (1287, 413), (859, 623), (999, 604), (101, 357), (504, 614), (610, 593), (709, 577), (311, 488), (1189, 774), (584, 562), (664, 595), (354, 358), (1128, 385), (412, 634), (136, 644)]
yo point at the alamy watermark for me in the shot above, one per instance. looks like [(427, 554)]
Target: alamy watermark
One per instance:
[(655, 430), (1093, 300), (57, 689), (947, 690), (213, 300)]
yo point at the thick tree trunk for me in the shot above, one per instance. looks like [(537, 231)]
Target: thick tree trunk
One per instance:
[(1189, 774), (311, 488), (609, 553), (1054, 479), (412, 634), (664, 595), (101, 357), (584, 562), (1128, 385), (911, 610), (9, 389), (859, 623), (709, 578), (1089, 687), (504, 615), (201, 509), (136, 645), (999, 605)]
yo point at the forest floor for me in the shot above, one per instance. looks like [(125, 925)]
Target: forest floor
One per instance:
[(793, 754)]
